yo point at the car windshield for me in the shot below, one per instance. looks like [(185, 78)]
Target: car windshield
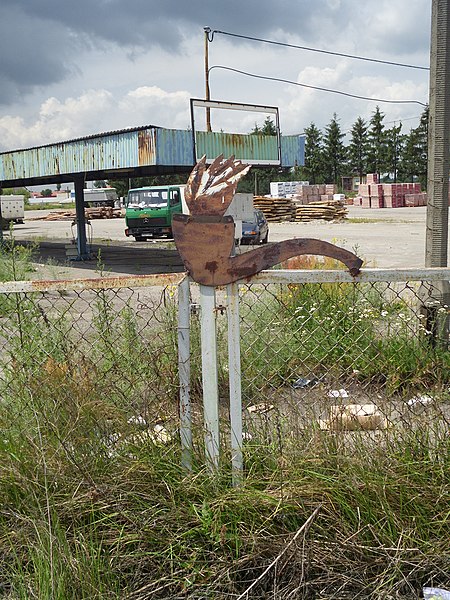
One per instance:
[(253, 222), (147, 199)]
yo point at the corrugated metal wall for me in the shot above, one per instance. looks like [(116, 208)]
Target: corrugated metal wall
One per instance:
[(255, 148), (144, 147), (292, 150)]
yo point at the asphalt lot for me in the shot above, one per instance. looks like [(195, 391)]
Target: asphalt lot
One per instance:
[(384, 238)]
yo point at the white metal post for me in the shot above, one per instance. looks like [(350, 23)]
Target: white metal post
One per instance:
[(209, 373), (184, 373), (234, 367)]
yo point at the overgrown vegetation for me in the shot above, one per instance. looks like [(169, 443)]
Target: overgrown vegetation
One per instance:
[(95, 506)]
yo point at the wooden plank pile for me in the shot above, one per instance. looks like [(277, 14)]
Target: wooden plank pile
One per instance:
[(100, 212), (275, 209), (287, 209), (328, 210)]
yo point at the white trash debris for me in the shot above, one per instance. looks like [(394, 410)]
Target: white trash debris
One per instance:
[(354, 417), (435, 594), (137, 420), (260, 408), (420, 400), (160, 435), (338, 393)]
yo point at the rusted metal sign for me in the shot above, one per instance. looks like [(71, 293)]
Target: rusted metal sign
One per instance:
[(205, 237)]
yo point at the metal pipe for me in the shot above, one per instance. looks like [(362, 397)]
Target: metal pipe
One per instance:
[(83, 252), (207, 96), (209, 374)]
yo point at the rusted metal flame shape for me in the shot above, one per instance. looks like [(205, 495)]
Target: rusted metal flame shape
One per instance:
[(205, 238)]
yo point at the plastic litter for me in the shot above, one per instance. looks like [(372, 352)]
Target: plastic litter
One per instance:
[(420, 400), (137, 420), (338, 393), (430, 593), (304, 382), (260, 408)]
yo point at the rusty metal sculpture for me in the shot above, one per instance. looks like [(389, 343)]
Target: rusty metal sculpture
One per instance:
[(205, 237)]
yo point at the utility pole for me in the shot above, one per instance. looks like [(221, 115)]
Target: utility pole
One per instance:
[(207, 31), (438, 137), (438, 161)]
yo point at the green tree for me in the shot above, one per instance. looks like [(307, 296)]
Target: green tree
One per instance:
[(422, 147), (334, 151), (314, 162), (377, 144), (268, 128), (358, 148), (46, 193), (100, 183), (414, 155), (394, 142)]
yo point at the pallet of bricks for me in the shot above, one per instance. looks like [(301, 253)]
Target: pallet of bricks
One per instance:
[(389, 195), (318, 202)]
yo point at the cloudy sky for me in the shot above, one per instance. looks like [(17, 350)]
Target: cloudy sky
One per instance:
[(74, 68)]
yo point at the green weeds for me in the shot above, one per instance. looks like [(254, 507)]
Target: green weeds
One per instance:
[(93, 506)]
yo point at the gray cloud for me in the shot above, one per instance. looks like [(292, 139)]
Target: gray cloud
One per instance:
[(42, 40)]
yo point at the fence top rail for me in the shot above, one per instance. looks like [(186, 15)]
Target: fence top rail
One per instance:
[(288, 276), (281, 276), (96, 283)]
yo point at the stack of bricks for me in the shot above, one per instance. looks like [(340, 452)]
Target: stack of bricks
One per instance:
[(416, 199), (388, 195), (313, 193)]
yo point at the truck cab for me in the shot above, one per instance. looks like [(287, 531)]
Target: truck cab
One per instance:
[(149, 210)]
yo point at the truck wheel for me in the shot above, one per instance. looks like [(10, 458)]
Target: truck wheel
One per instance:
[(265, 239), (138, 238)]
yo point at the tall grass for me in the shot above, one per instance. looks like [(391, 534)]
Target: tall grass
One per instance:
[(93, 506)]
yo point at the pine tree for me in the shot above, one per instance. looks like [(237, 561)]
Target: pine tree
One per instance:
[(358, 148), (377, 143), (334, 151), (394, 143), (422, 147), (313, 154)]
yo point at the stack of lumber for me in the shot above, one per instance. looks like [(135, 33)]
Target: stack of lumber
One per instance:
[(328, 210), (100, 212), (275, 209)]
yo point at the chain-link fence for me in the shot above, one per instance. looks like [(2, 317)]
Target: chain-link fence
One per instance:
[(97, 366), (320, 389), (90, 365), (319, 353)]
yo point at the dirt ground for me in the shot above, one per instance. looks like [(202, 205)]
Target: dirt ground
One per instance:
[(384, 238)]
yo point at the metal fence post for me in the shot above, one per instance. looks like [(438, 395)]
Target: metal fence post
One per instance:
[(234, 367), (209, 373), (184, 370)]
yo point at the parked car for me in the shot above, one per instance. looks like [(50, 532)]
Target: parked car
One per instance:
[(256, 231)]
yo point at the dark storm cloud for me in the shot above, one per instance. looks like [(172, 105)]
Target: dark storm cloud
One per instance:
[(41, 38)]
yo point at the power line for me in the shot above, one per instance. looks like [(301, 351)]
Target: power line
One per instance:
[(313, 87), (353, 56)]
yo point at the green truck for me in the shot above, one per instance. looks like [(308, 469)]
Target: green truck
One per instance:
[(149, 211)]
